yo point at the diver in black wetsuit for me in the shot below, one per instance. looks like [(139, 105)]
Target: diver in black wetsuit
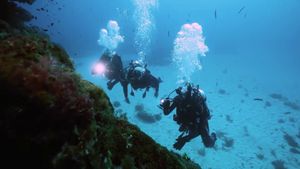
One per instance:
[(192, 114), (114, 71), (139, 77)]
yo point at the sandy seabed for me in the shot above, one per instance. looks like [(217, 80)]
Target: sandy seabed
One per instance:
[(257, 124)]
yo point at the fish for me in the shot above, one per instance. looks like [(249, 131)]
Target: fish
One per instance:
[(258, 99), (215, 14), (241, 9), (168, 33)]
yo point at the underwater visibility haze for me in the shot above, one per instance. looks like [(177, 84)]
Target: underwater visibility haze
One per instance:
[(190, 83)]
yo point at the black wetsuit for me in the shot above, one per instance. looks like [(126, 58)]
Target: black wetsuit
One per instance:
[(139, 77), (115, 72), (192, 114)]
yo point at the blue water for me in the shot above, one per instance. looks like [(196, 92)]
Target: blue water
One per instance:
[(254, 51)]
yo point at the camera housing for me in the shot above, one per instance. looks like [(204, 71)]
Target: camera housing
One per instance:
[(165, 103)]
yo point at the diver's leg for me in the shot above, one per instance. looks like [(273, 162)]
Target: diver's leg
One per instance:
[(181, 140), (125, 91), (208, 140), (131, 92), (144, 94), (156, 93), (156, 90)]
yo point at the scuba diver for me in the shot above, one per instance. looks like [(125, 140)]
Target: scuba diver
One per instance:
[(111, 66), (136, 74), (139, 77), (192, 115)]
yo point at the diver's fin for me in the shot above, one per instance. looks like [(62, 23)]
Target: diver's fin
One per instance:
[(159, 80)]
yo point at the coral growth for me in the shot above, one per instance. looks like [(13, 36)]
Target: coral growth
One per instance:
[(227, 141), (290, 140), (277, 96), (201, 152), (286, 102), (144, 116), (278, 164), (294, 150), (260, 156), (116, 104), (222, 91)]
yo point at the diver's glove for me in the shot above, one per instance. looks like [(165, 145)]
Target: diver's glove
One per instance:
[(180, 142)]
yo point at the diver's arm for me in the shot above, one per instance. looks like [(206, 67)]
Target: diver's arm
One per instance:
[(206, 110), (170, 107), (166, 111)]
